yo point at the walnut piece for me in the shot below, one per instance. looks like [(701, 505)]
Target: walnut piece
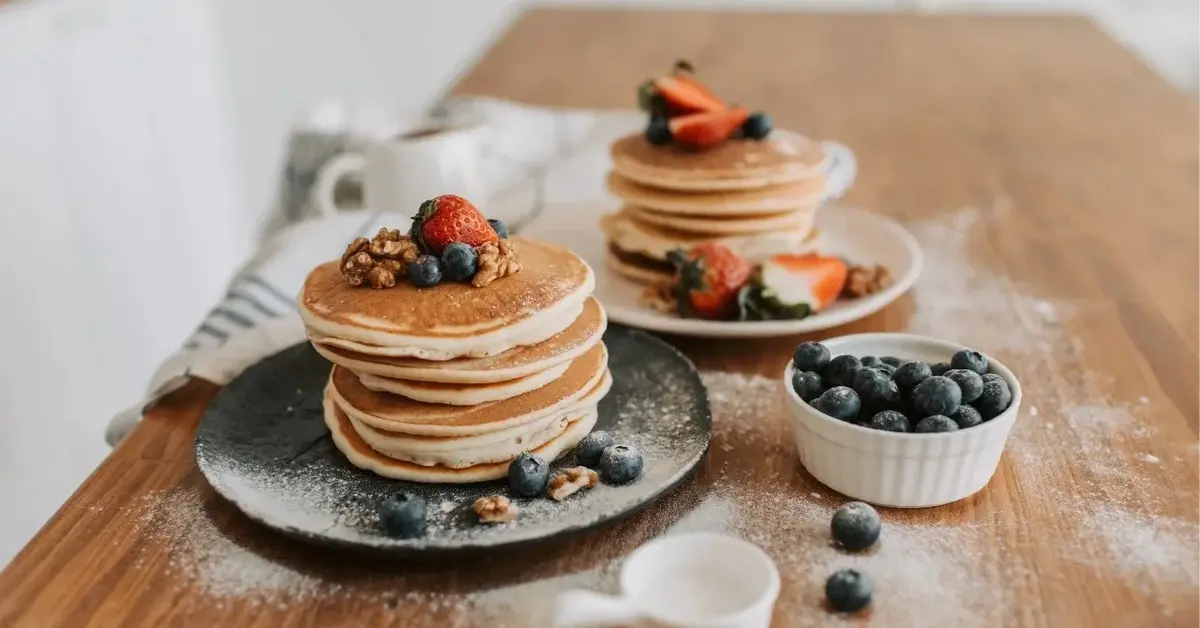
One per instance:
[(496, 260), (380, 261), (570, 481), (864, 280), (495, 509)]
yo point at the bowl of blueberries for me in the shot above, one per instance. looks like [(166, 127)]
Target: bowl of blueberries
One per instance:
[(898, 419)]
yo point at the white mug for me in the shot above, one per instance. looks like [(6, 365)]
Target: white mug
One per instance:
[(698, 580), (412, 163)]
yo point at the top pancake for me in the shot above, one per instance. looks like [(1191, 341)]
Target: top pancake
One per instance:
[(581, 335), (735, 165), (450, 319), (720, 203)]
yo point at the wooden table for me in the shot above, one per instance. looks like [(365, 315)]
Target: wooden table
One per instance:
[(1052, 179)]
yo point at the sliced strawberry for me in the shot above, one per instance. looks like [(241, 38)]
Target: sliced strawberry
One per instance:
[(706, 130), (708, 279), (809, 278), (685, 95)]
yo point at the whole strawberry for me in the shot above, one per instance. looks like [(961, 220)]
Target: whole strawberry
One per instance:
[(707, 280), (446, 219)]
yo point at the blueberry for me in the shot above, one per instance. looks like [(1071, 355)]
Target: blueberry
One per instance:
[(402, 516), (935, 423), (894, 361), (939, 368), (875, 387), (528, 475), (994, 377), (909, 374), (620, 464), (969, 382), (966, 416), (839, 402), (807, 384), (658, 131), (971, 360), (994, 399), (937, 395), (840, 370), (848, 591), (890, 421), (426, 271), (891, 370), (587, 452), (500, 228), (810, 356), (459, 261), (757, 126), (855, 526), (870, 360)]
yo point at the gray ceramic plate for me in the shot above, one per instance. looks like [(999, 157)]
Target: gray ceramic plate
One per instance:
[(263, 445)]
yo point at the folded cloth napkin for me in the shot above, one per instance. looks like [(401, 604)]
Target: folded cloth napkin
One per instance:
[(534, 158)]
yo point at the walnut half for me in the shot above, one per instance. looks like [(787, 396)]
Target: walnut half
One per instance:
[(865, 280), (495, 509), (380, 261), (496, 260), (570, 481)]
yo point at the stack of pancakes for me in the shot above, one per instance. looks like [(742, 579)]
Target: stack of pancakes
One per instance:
[(450, 383), (759, 198)]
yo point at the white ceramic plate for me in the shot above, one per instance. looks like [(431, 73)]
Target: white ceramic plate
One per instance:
[(858, 235)]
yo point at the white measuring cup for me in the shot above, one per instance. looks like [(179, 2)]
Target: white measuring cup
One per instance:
[(699, 580)]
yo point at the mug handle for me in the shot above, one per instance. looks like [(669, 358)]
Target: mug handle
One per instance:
[(331, 173), (841, 171)]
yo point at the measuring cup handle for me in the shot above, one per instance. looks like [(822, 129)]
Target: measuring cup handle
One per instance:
[(841, 171), (578, 608)]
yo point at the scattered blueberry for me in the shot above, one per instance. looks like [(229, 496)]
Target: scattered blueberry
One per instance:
[(848, 591), (875, 387), (528, 475), (840, 370), (658, 131), (870, 360), (971, 360), (894, 361), (587, 452), (890, 421), (426, 271), (620, 464), (909, 374), (810, 356), (757, 126), (402, 516), (936, 395), (855, 526), (807, 384), (499, 227), (839, 402), (966, 416), (935, 423), (939, 368), (969, 382), (459, 261), (994, 399)]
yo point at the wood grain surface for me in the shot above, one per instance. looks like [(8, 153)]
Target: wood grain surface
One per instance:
[(1052, 179)]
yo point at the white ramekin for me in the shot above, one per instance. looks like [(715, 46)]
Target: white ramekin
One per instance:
[(895, 469)]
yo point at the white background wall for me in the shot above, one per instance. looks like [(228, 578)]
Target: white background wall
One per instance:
[(140, 142)]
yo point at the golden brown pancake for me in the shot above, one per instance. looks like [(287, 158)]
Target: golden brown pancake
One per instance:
[(462, 394), (629, 234), (637, 267), (735, 165), (398, 414), (581, 335), (451, 319), (713, 226), (772, 199)]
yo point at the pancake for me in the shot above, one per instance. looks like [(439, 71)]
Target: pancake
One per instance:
[(637, 268), (583, 334), (466, 451), (747, 224), (735, 165), (629, 235), (393, 413), (462, 394), (452, 319), (772, 199), (362, 456)]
